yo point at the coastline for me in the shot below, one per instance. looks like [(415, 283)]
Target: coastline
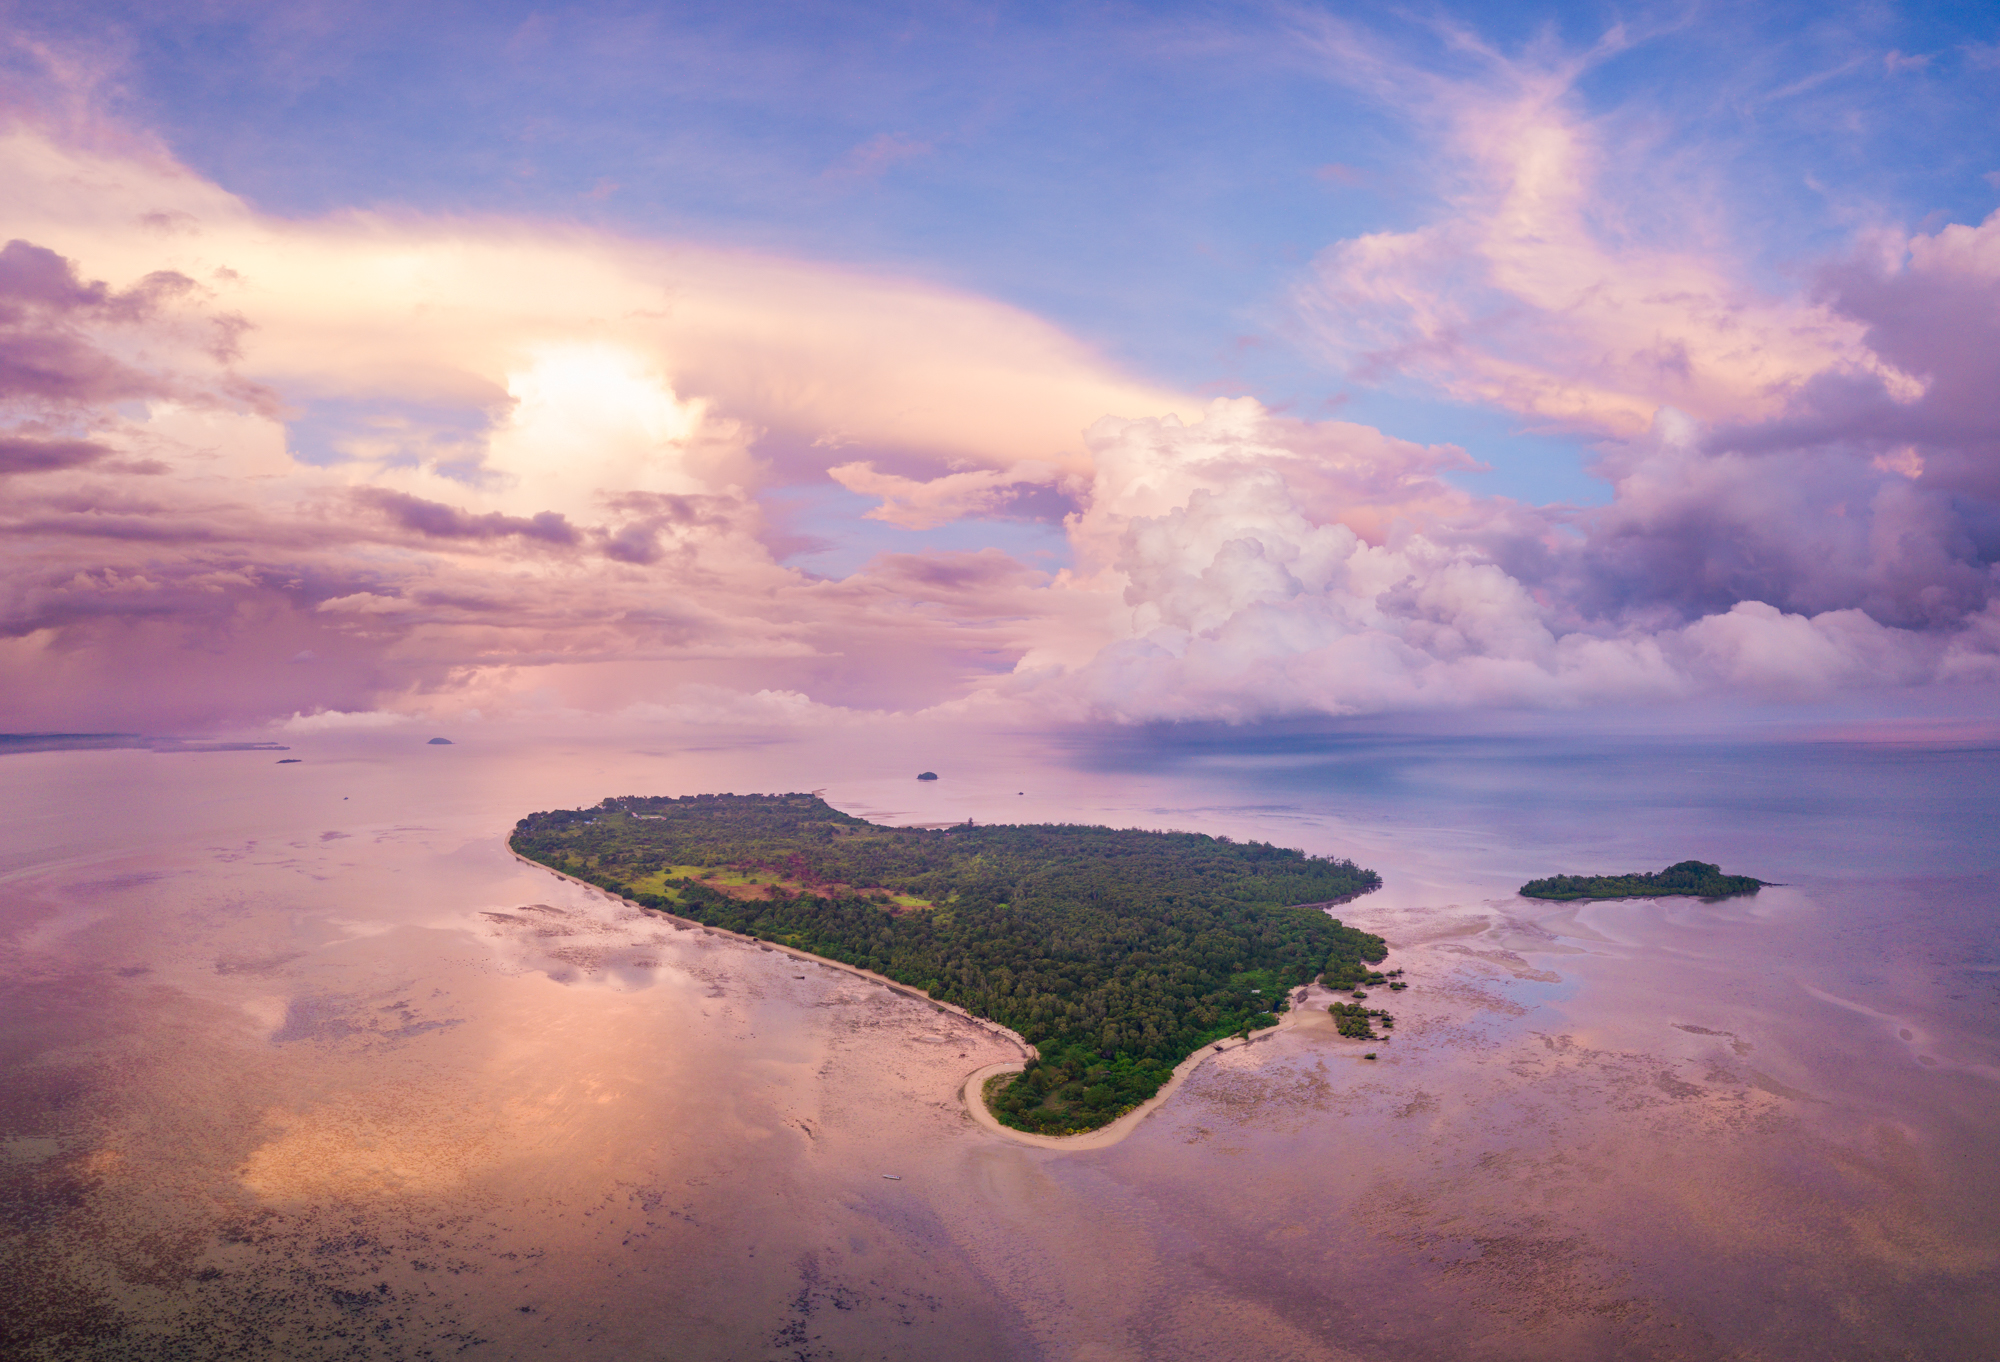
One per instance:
[(689, 924), (1304, 1012), (1310, 1006)]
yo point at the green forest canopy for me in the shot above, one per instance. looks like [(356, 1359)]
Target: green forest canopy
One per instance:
[(1691, 879), (1116, 952)]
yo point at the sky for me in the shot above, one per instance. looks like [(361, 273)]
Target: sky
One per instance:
[(1083, 364)]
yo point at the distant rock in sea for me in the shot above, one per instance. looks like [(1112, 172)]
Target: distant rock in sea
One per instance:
[(289, 761), (928, 775), (439, 742)]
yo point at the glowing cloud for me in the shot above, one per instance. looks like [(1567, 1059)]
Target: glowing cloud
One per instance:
[(362, 466)]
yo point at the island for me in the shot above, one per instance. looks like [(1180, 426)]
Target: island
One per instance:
[(1116, 953), (927, 775), (1684, 879)]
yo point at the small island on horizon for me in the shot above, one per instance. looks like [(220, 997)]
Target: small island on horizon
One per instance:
[(1684, 879), (1116, 953)]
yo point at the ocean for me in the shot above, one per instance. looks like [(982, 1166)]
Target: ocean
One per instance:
[(300, 1063)]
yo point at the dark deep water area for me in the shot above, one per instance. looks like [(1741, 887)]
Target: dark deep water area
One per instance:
[(297, 1062)]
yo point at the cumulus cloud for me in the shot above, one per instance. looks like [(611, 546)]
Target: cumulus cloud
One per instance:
[(1931, 305), (1802, 483), (1804, 488), (1261, 566)]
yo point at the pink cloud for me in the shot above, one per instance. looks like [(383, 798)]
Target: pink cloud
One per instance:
[(1234, 586), (603, 527), (921, 504), (1555, 287), (1794, 519)]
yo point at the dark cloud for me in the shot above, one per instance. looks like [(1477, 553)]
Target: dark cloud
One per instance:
[(60, 339), (23, 455), (186, 592), (635, 543), (90, 525), (52, 366), (435, 520), (34, 279), (1862, 495), (652, 514)]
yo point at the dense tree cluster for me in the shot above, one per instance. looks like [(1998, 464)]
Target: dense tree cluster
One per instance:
[(1355, 1021), (1116, 952), (1690, 879)]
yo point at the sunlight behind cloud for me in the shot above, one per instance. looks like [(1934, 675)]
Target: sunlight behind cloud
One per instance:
[(588, 418), (560, 486)]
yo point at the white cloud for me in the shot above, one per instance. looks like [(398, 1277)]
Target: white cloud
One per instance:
[(1237, 592), (335, 721)]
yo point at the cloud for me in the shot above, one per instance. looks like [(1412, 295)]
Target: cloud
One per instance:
[(596, 519), (764, 710), (67, 345), (20, 454), (1559, 284), (338, 721), (922, 504), (1931, 305), (550, 491), (365, 603), (438, 521), (620, 347), (1252, 566)]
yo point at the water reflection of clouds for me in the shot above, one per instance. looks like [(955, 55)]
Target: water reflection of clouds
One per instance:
[(328, 1018), (634, 1137)]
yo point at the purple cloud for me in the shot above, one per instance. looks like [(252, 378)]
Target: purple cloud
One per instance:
[(435, 520), (20, 454)]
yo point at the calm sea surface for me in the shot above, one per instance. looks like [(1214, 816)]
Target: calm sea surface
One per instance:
[(297, 1062)]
